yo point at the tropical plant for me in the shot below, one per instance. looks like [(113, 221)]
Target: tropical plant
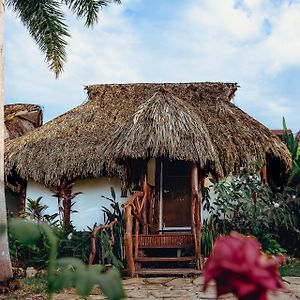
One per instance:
[(59, 193), (33, 255), (107, 255), (209, 234), (35, 210), (116, 213), (294, 147), (75, 244), (67, 272), (246, 205), (45, 21)]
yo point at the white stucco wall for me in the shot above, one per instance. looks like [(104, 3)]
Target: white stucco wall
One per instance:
[(207, 183), (89, 204)]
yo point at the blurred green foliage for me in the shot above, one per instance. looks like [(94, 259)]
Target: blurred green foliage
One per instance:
[(67, 272)]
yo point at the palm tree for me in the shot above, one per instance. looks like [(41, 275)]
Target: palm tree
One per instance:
[(45, 21)]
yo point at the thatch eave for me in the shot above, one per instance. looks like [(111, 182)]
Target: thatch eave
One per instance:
[(71, 145)]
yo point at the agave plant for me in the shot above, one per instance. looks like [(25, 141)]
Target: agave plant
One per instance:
[(294, 147)]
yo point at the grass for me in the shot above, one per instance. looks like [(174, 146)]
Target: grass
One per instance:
[(31, 288), (37, 285), (291, 269)]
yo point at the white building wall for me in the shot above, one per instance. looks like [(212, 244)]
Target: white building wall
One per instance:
[(88, 204)]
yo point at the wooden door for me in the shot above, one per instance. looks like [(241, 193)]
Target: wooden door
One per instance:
[(176, 194)]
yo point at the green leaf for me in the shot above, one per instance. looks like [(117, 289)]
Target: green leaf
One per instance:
[(85, 280), (284, 124), (113, 194), (110, 284), (88, 9), (45, 21), (71, 262), (67, 276), (24, 231), (62, 280)]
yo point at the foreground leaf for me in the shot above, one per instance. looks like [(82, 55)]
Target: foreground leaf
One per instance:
[(26, 232), (111, 286)]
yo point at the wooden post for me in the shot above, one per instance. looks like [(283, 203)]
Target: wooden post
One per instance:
[(195, 211), (136, 238), (151, 208), (128, 240), (22, 206), (264, 174), (198, 229), (145, 205)]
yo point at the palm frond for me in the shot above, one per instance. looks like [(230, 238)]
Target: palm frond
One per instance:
[(45, 22), (88, 9)]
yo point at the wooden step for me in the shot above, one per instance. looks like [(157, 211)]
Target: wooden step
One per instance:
[(164, 259), (174, 240), (169, 271)]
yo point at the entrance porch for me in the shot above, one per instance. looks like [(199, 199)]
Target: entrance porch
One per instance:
[(163, 226)]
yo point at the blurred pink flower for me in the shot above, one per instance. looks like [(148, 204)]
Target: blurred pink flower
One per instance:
[(239, 267)]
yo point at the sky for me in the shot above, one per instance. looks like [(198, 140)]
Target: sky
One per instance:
[(255, 43)]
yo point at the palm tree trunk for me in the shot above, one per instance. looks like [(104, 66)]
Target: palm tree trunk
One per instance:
[(5, 263)]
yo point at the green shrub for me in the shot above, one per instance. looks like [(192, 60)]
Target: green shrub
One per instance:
[(293, 145), (71, 243), (209, 234), (113, 253), (248, 206), (291, 268), (67, 272)]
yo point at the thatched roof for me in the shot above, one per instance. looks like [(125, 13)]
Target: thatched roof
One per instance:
[(163, 126), (76, 144), (21, 118)]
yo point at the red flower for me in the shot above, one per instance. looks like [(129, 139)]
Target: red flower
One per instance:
[(238, 266)]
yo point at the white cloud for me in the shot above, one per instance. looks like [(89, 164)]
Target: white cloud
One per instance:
[(223, 20), (277, 108), (250, 44), (102, 54), (248, 41), (283, 45), (257, 33)]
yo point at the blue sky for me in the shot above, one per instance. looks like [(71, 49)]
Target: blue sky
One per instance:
[(253, 42)]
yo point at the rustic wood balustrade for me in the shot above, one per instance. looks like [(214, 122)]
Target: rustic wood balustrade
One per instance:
[(135, 207), (94, 237)]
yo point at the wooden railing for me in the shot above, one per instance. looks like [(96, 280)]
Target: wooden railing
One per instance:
[(135, 210), (94, 238)]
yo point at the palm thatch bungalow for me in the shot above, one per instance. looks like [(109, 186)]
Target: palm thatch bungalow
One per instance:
[(18, 120), (21, 118), (156, 143)]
